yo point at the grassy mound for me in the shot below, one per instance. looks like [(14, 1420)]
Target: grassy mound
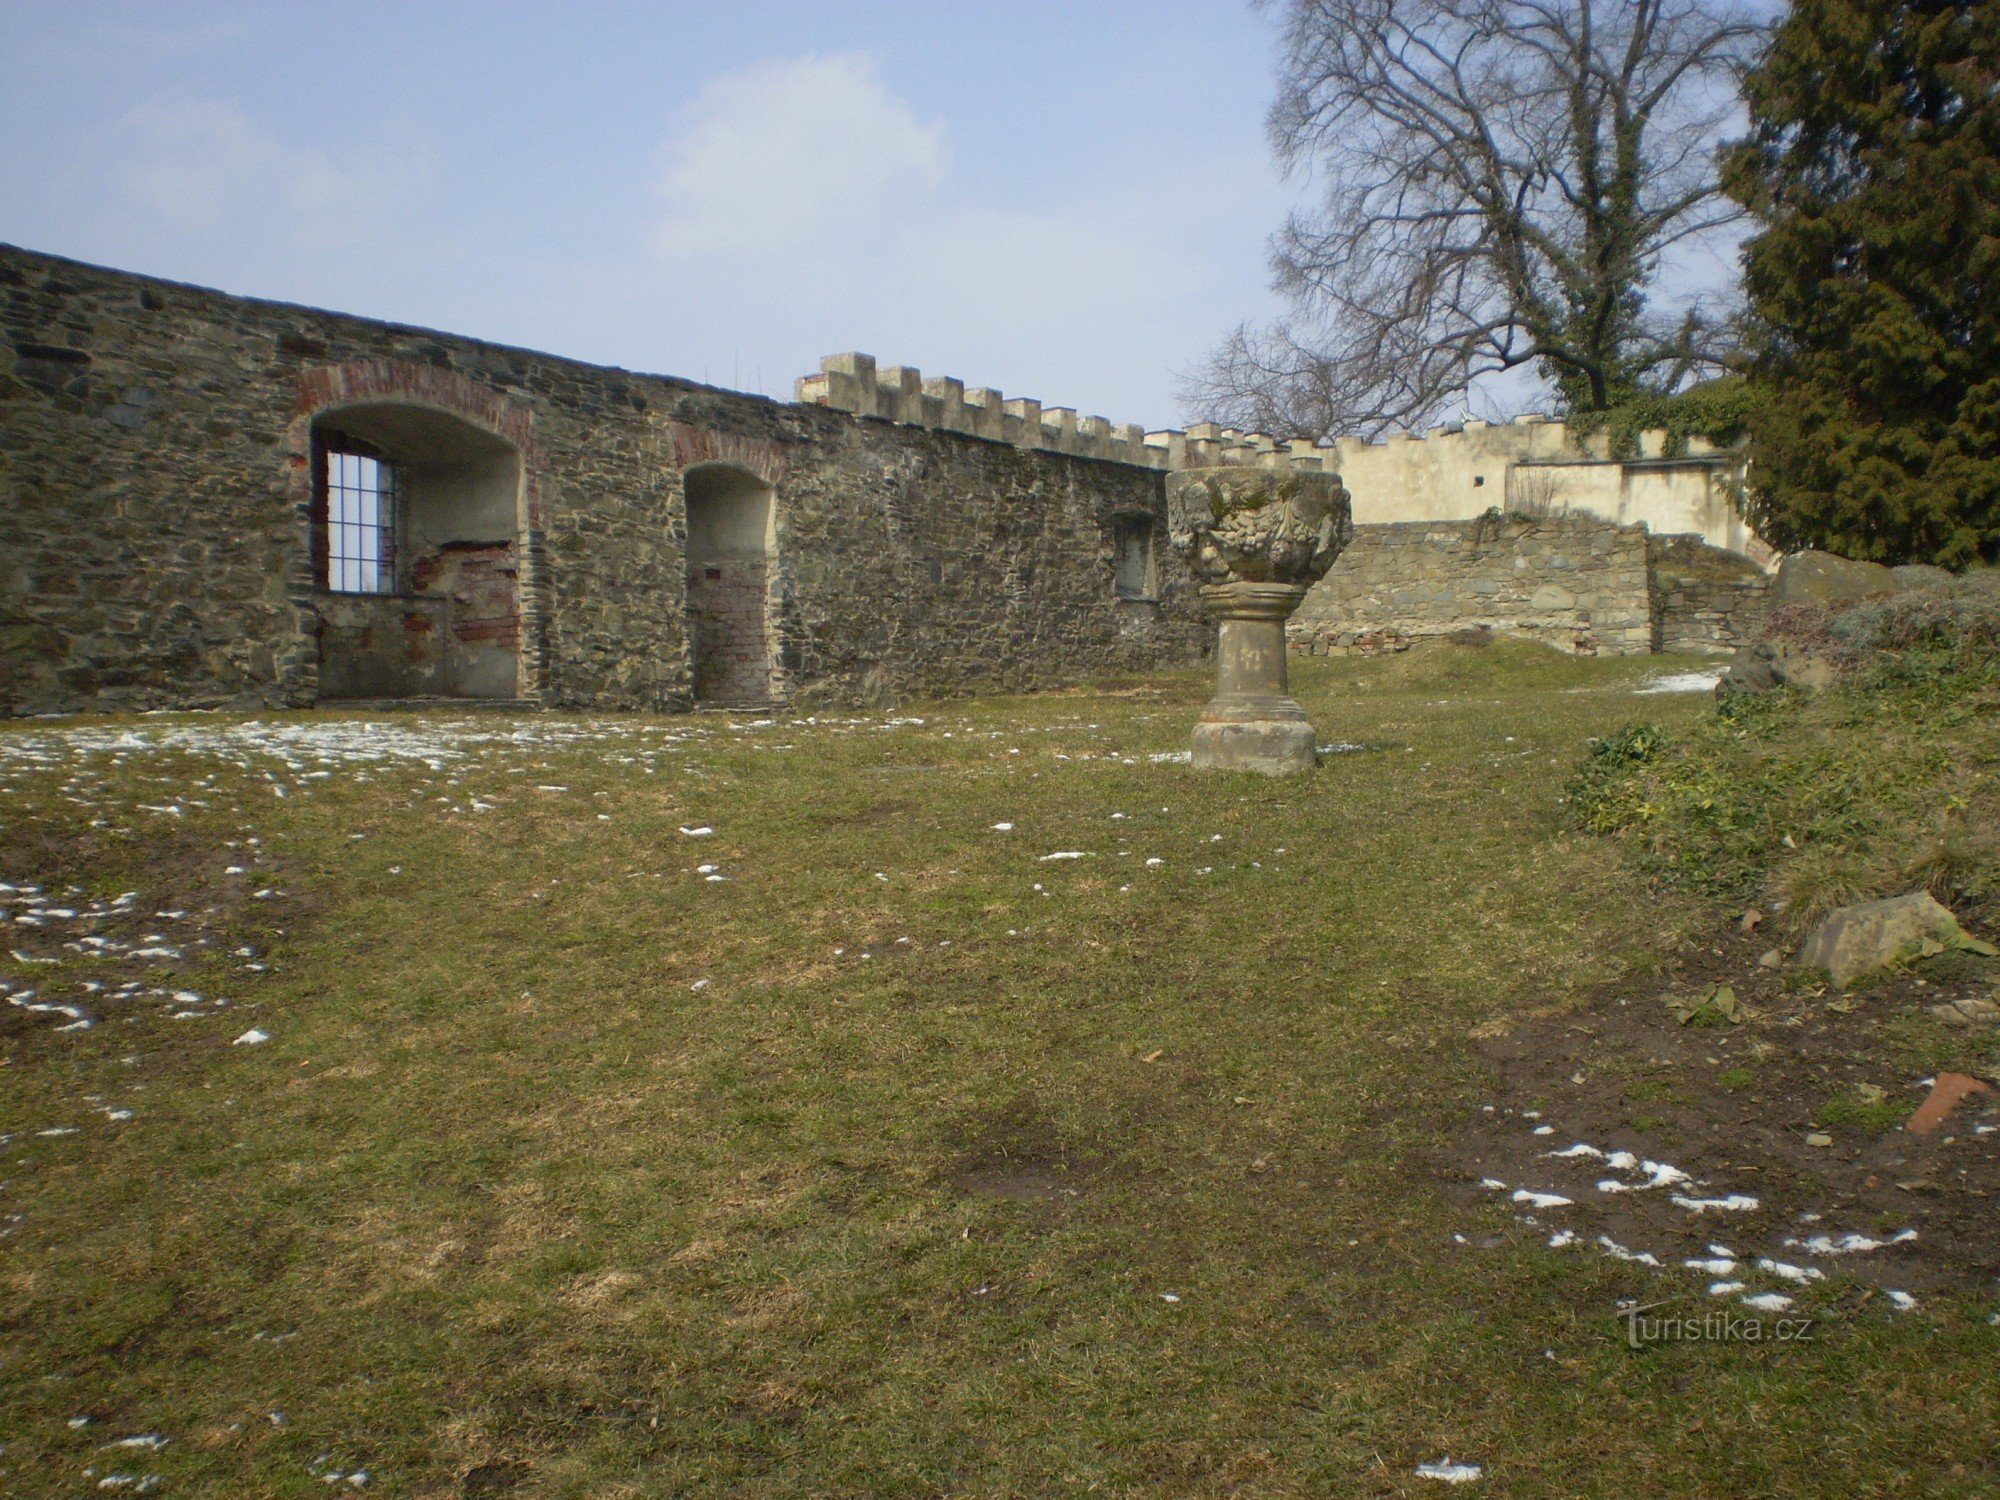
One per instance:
[(1881, 784)]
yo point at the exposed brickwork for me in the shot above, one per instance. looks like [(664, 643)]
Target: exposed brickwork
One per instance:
[(732, 638), (479, 578)]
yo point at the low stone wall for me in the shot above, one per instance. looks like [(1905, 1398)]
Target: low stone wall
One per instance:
[(1575, 583), (1704, 599)]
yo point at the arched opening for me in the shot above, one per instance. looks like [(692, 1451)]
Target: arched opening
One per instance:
[(732, 543), (416, 522)]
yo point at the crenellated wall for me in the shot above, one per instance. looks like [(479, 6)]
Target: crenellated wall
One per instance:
[(1530, 466), (157, 451), (161, 448)]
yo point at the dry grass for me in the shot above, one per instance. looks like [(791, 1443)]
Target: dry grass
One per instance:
[(568, 1172)]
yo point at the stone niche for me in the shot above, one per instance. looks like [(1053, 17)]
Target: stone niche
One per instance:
[(732, 521), (446, 620)]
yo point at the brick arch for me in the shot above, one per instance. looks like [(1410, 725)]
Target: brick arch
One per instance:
[(325, 389), (361, 381), (703, 445)]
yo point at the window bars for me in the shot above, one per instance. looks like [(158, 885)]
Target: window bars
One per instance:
[(361, 495)]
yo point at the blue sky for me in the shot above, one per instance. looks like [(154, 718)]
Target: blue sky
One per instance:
[(1070, 202)]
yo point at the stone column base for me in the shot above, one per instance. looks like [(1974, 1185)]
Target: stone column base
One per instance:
[(1268, 735)]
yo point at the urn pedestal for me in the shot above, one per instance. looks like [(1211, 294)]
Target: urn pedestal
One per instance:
[(1252, 724), (1259, 538)]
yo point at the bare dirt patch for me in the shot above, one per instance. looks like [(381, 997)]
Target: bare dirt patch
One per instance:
[(1798, 1106), (1018, 1154)]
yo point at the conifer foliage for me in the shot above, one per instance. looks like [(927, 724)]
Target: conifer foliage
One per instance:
[(1874, 163)]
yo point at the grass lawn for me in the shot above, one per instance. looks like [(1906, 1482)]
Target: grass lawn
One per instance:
[(858, 1146)]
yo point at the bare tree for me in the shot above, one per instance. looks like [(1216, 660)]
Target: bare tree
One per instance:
[(1503, 180)]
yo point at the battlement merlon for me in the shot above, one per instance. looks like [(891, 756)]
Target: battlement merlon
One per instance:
[(897, 393), (854, 383)]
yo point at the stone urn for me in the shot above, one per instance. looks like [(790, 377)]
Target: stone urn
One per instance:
[(1258, 538)]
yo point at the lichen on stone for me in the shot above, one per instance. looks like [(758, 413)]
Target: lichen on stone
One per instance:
[(1258, 525)]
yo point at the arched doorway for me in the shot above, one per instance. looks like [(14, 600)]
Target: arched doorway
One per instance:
[(732, 543), (416, 524)]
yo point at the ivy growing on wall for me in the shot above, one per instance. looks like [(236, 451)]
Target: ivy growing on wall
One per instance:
[(1718, 410)]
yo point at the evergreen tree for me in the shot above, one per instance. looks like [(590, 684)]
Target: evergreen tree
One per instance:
[(1874, 162)]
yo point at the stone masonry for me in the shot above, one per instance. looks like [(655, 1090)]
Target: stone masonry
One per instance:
[(156, 483), (1574, 583), (1704, 599), (161, 454), (1530, 465)]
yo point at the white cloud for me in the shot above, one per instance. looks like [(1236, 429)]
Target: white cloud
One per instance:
[(766, 157), (203, 165)]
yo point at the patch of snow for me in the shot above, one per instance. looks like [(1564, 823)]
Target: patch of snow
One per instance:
[(1849, 1244), (1790, 1272), (1449, 1472), (1541, 1200), (1902, 1301), (1768, 1302), (1734, 1203), (1617, 1251), (1657, 1174), (251, 1038), (1681, 682)]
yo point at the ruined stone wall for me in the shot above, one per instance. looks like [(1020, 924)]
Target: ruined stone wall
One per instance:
[(155, 486), (1575, 583), (1704, 599)]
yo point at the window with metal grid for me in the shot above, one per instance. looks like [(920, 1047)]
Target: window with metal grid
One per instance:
[(360, 524)]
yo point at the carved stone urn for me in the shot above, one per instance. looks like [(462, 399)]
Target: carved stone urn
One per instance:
[(1258, 538)]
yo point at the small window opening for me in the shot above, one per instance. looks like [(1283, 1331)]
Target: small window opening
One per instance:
[(361, 499), (1132, 558)]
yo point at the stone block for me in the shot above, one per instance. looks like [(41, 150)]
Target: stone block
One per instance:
[(1822, 578), (1858, 940)]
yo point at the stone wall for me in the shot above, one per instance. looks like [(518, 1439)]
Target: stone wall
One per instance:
[(156, 448), (1574, 583), (1704, 599), (1530, 465)]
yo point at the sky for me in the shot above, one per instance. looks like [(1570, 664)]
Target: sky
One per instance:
[(1070, 202)]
